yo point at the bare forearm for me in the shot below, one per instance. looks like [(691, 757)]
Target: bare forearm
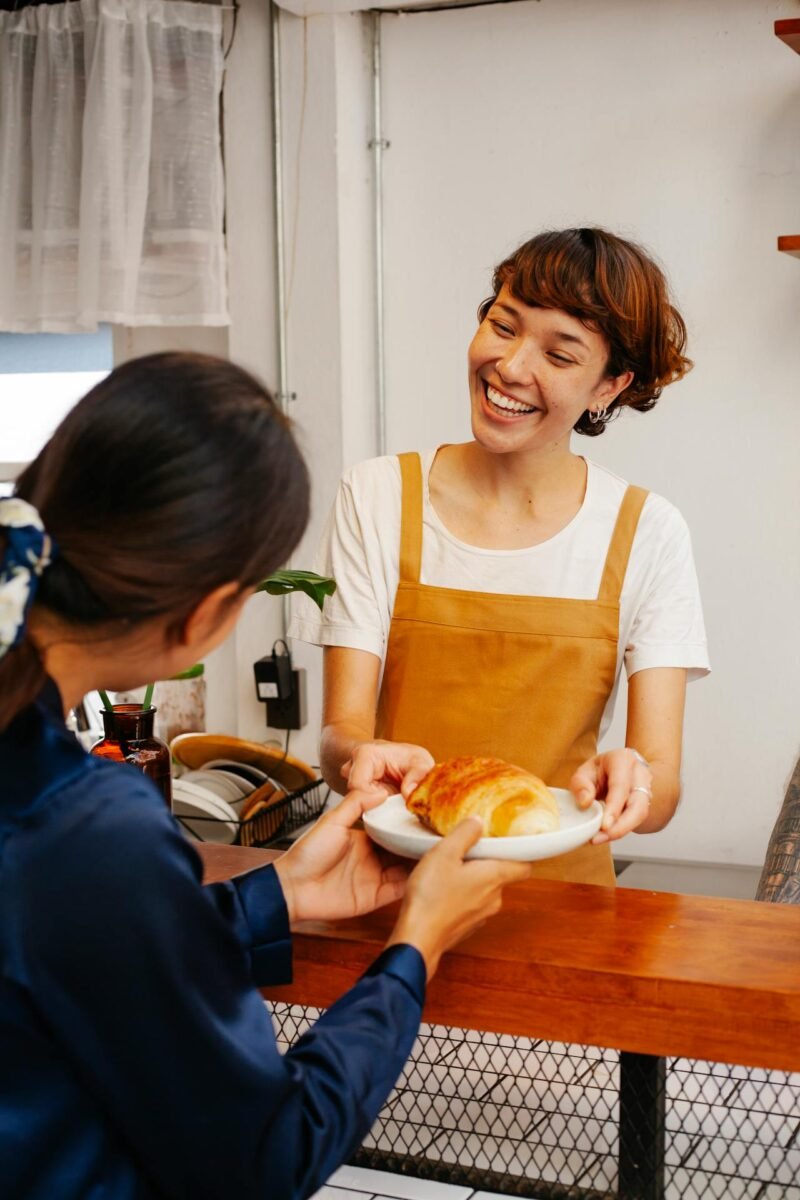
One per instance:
[(337, 743), (666, 788), (350, 696), (656, 702)]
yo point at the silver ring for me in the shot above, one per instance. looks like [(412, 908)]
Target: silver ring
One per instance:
[(640, 758), (646, 791)]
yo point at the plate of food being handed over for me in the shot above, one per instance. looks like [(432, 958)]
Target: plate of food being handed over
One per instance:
[(524, 820)]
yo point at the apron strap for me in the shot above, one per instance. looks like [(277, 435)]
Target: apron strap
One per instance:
[(411, 520), (619, 550)]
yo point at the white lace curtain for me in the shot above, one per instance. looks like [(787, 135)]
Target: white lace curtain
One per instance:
[(111, 182)]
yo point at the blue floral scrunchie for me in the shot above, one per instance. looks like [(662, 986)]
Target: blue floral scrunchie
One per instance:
[(28, 552)]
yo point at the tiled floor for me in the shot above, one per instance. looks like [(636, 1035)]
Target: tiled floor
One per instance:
[(359, 1183)]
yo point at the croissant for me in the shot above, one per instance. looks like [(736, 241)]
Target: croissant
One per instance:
[(511, 801)]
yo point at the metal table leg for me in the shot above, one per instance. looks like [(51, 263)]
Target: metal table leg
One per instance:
[(642, 1092)]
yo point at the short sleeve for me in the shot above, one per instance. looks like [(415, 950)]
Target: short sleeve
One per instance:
[(359, 551), (668, 628)]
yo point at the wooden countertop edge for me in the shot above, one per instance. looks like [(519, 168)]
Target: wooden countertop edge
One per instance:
[(684, 1020), (655, 973)]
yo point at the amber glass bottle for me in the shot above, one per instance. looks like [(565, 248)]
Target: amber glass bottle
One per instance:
[(129, 738)]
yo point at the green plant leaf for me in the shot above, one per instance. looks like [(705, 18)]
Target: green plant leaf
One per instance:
[(315, 586), (190, 672)]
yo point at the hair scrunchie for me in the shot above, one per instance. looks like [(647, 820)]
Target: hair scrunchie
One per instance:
[(28, 552)]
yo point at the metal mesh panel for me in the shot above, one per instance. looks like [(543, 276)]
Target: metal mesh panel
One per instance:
[(563, 1122), (732, 1132)]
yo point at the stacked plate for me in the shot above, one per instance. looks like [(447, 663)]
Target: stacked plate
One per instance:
[(213, 802)]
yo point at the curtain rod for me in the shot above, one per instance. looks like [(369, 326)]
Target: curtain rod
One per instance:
[(442, 5), (19, 5)]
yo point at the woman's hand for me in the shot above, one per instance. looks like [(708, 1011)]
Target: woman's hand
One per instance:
[(386, 767), (655, 723), (625, 784), (447, 898), (335, 871)]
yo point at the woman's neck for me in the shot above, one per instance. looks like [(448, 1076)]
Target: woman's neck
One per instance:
[(80, 662), (507, 501), (538, 481)]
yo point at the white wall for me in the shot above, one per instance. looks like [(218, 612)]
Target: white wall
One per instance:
[(677, 123)]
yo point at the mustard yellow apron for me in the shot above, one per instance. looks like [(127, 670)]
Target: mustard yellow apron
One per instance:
[(524, 678)]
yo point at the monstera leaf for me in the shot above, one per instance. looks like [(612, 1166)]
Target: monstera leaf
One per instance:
[(315, 586)]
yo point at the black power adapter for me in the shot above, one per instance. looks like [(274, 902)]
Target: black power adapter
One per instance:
[(282, 688)]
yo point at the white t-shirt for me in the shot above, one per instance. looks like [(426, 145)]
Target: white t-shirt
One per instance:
[(661, 618)]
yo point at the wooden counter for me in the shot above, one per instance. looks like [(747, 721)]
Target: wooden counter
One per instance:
[(648, 972)]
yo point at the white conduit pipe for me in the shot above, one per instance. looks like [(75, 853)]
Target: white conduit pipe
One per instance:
[(284, 396), (378, 145)]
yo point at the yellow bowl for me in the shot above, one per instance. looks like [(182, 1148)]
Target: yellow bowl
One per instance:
[(194, 750)]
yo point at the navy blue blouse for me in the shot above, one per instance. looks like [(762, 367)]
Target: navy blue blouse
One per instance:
[(137, 1058)]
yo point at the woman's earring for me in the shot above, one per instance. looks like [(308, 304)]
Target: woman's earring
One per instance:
[(597, 416)]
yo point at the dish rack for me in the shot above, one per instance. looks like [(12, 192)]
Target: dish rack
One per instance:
[(277, 824)]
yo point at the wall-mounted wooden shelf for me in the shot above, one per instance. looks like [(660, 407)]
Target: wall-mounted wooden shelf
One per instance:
[(790, 245), (789, 32)]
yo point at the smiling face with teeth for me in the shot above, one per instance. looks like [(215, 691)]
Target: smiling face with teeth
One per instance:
[(533, 372)]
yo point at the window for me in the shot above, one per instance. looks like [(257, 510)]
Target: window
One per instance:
[(42, 375)]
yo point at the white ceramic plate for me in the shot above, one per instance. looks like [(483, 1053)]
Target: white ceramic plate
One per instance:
[(247, 786), (190, 800), (245, 771), (395, 828), (227, 787)]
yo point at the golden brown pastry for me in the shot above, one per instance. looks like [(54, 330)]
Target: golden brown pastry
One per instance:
[(511, 801)]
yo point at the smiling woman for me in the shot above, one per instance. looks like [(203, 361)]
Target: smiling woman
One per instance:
[(491, 593), (621, 315)]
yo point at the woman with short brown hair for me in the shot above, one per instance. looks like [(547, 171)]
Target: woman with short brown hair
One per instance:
[(490, 593)]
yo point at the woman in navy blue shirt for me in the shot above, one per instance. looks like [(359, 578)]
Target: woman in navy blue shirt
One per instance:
[(137, 1058)]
